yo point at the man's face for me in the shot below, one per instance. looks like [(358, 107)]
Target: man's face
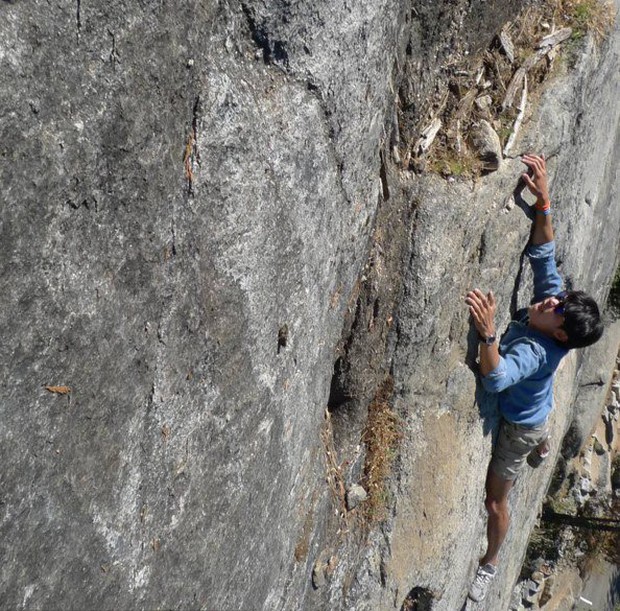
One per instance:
[(547, 317)]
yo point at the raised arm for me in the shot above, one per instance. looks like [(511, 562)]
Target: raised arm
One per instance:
[(537, 184), (547, 281)]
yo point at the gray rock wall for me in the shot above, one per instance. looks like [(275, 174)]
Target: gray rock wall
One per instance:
[(189, 198), (473, 236)]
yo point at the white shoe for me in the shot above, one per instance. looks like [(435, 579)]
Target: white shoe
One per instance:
[(479, 588)]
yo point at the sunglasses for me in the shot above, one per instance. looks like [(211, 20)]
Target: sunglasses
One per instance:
[(561, 297)]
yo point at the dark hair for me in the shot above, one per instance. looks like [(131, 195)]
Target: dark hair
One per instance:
[(582, 320)]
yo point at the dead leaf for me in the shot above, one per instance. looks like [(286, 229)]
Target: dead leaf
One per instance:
[(58, 390)]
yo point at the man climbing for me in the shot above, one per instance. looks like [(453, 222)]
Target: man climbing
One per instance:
[(520, 370)]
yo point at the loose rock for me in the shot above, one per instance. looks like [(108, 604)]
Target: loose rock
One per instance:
[(355, 495), (598, 447), (318, 575), (507, 45), (585, 485), (488, 146), (484, 102), (427, 137)]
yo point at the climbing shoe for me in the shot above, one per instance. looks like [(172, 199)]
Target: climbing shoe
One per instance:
[(480, 586)]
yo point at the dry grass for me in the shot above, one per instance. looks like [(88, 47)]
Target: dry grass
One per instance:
[(334, 470), (382, 435)]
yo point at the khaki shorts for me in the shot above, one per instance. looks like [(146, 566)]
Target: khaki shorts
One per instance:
[(514, 443)]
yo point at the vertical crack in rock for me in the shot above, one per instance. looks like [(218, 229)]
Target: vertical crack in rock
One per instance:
[(78, 19), (196, 115), (191, 156), (282, 337), (173, 247), (114, 56), (514, 299), (384, 181)]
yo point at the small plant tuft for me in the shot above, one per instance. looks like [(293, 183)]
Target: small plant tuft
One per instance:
[(586, 16)]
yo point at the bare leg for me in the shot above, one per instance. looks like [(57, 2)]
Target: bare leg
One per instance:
[(496, 503)]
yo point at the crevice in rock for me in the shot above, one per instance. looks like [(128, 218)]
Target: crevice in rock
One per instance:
[(375, 310), (191, 155), (173, 249), (482, 248), (338, 394), (346, 422), (419, 599), (384, 181), (114, 56), (196, 116), (78, 19), (151, 399), (364, 354), (596, 383), (282, 337), (514, 300), (274, 51)]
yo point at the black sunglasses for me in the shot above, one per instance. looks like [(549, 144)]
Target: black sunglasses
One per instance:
[(561, 297)]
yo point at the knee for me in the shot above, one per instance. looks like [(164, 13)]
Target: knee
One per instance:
[(496, 506)]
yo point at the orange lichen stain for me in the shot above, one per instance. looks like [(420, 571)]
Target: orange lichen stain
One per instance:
[(187, 157)]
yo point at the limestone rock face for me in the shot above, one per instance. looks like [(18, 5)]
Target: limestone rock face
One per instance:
[(199, 215)]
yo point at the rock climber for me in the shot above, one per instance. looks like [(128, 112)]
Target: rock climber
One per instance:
[(520, 368)]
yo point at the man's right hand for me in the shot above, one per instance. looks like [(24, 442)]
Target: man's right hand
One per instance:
[(537, 183), (482, 309)]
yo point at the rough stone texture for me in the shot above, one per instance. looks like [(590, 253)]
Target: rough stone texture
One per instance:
[(179, 244), (189, 197)]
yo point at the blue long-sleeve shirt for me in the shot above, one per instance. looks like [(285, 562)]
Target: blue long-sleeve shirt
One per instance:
[(528, 358)]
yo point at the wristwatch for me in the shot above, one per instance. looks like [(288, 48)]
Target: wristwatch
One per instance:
[(487, 340)]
